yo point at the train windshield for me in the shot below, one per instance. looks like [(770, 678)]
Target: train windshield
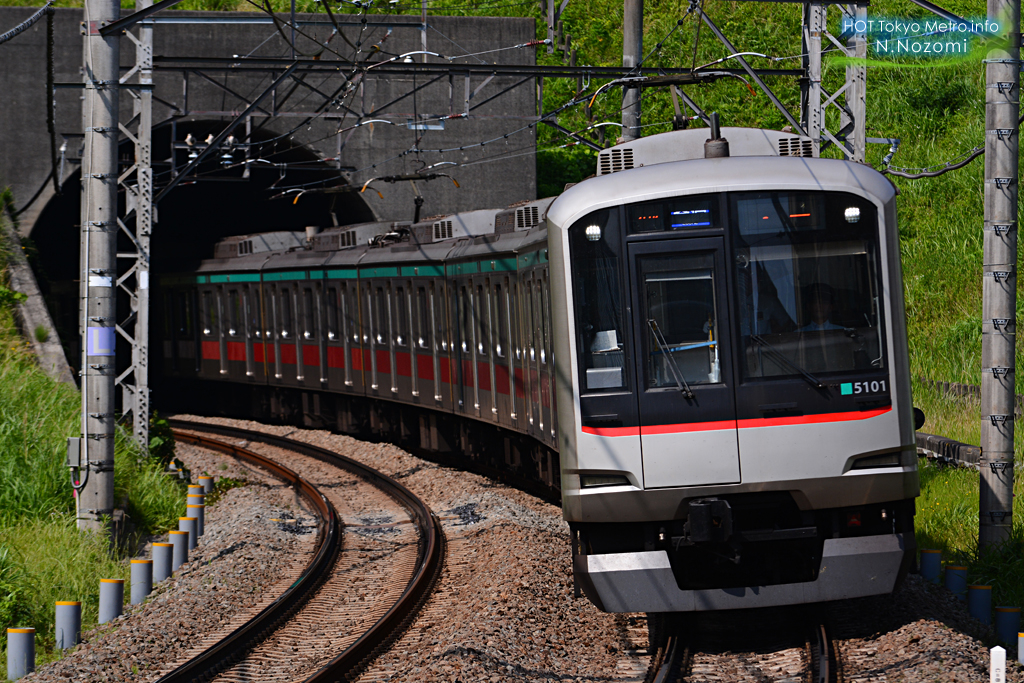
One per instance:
[(807, 279)]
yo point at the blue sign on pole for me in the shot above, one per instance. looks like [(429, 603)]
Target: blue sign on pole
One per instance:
[(102, 341)]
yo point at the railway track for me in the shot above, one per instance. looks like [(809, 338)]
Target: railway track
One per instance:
[(346, 600), (773, 646)]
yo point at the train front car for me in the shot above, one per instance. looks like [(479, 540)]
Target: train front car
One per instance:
[(736, 427)]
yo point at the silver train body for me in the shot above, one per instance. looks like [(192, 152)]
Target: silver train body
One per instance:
[(723, 339)]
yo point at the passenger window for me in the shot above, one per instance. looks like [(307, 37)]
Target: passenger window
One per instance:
[(680, 320), (251, 321), (423, 318), (332, 314), (481, 322), (234, 312), (500, 314), (309, 331), (379, 334), (465, 321), (209, 314), (185, 313), (401, 317), (544, 320), (286, 314)]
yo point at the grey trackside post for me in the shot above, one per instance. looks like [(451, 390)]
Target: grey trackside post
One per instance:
[(21, 652), (207, 483), (111, 599), (999, 277), (163, 557), (179, 556), (68, 624), (191, 526), (199, 512), (142, 580), (98, 262), (632, 53)]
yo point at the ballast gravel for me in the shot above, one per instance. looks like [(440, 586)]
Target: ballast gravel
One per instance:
[(242, 563), (503, 608)]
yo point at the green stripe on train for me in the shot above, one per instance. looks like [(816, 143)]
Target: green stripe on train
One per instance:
[(286, 275), (235, 277), (347, 274)]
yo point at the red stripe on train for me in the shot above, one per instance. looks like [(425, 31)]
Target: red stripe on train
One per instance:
[(741, 424)]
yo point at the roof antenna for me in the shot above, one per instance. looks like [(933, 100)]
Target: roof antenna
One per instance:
[(717, 146)]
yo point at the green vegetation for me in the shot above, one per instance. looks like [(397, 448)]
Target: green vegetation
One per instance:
[(936, 112), (43, 556), (947, 511)]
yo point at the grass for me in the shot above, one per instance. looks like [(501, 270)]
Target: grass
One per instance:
[(43, 556), (947, 511)]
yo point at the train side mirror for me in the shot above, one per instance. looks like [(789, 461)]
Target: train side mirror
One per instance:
[(918, 418)]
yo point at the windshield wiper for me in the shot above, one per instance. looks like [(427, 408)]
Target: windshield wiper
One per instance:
[(663, 346), (778, 355)]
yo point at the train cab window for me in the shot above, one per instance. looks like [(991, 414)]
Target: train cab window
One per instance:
[(807, 283), (309, 326), (677, 213), (234, 313), (286, 313), (401, 317), (601, 333), (680, 339)]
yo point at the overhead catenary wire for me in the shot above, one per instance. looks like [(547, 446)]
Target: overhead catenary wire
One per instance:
[(27, 24)]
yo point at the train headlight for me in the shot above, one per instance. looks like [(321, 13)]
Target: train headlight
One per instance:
[(593, 232), (852, 214)]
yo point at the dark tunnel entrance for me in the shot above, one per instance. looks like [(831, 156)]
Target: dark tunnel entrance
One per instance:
[(224, 197)]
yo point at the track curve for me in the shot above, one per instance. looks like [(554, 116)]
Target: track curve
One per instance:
[(347, 664)]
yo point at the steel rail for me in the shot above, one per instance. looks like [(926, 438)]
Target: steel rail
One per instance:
[(430, 559), (238, 642)]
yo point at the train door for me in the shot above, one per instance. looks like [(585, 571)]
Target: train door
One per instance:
[(688, 431)]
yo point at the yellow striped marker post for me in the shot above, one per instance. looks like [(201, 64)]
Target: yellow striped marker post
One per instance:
[(179, 556), (68, 624), (21, 652), (142, 580), (979, 603), (1007, 624), (190, 525), (199, 512), (207, 482), (111, 599), (163, 556)]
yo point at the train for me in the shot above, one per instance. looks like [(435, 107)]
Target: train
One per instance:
[(702, 349)]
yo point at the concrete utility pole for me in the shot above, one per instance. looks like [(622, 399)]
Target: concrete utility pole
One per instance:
[(98, 266), (999, 282), (632, 53)]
